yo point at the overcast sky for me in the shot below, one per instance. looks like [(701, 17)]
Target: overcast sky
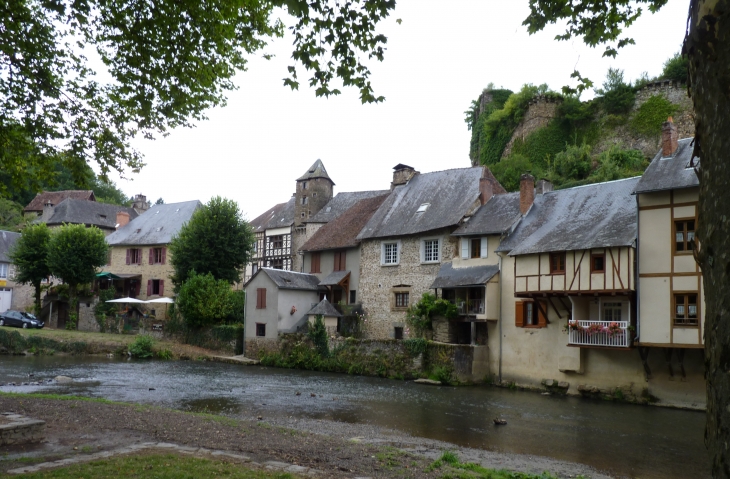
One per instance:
[(437, 61)]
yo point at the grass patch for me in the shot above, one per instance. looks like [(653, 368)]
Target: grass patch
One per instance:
[(390, 457), (59, 397), (167, 466), (453, 469)]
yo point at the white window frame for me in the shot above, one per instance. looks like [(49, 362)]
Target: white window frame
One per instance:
[(466, 247), (615, 307), (4, 270), (397, 253), (439, 244)]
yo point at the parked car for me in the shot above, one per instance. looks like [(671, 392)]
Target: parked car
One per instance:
[(20, 319)]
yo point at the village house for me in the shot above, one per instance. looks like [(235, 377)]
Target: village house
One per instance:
[(12, 295), (43, 201), (87, 213)]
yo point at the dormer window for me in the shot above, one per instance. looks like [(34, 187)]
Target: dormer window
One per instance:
[(102, 217), (423, 208)]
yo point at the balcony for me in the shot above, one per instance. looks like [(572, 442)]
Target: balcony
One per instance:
[(612, 334), (469, 307)]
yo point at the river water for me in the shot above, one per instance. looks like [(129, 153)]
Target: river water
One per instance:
[(622, 439)]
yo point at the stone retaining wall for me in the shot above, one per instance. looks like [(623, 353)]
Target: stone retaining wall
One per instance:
[(20, 430)]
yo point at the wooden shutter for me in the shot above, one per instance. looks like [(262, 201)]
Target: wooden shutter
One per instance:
[(484, 248), (164, 254), (152, 256), (149, 287), (261, 298), (138, 287), (128, 253), (541, 313), (315, 263), (162, 287), (343, 260), (519, 314), (464, 248)]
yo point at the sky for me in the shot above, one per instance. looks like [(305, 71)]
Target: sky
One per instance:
[(438, 60)]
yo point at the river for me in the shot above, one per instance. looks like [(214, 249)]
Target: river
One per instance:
[(622, 439)]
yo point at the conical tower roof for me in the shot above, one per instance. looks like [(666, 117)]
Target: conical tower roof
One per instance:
[(317, 170)]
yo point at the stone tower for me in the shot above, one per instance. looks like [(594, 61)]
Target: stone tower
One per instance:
[(314, 190)]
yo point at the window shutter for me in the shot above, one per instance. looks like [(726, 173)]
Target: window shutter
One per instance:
[(128, 253), (336, 261), (152, 256), (149, 287), (519, 314), (263, 298), (541, 312), (485, 244), (382, 253), (464, 248), (162, 287), (164, 254), (343, 261)]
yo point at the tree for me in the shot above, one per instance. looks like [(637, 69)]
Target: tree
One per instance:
[(160, 201), (707, 48), (74, 254), (11, 215), (30, 256), (217, 240), (203, 300), (167, 62)]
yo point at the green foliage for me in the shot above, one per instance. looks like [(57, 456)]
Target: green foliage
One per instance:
[(238, 298), (71, 321), (11, 215), (617, 96), (420, 314), (542, 145), (574, 163), (651, 114), (107, 192), (203, 300), (30, 256), (472, 470), (141, 347), (318, 335), (227, 332), (509, 170), (160, 201), (103, 309), (164, 354), (16, 343), (415, 346), (216, 240), (676, 68)]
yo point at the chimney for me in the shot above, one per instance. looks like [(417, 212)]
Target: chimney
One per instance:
[(669, 138), (122, 218), (47, 211), (401, 174), (527, 192), (543, 186), (140, 203), (486, 191)]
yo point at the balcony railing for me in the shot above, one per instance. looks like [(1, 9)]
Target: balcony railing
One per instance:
[(599, 333), (469, 308)]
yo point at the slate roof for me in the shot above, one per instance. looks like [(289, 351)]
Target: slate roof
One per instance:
[(450, 193), (324, 308), (342, 232), (496, 216), (279, 216), (157, 225), (291, 279), (317, 170), (56, 197), (341, 203), (7, 241), (87, 212), (672, 172), (334, 278), (450, 277), (584, 217)]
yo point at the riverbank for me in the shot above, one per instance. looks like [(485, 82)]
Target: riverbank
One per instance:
[(78, 426)]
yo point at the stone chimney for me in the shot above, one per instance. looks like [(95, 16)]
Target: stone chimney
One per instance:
[(140, 203), (527, 192), (669, 138), (47, 211), (401, 174), (543, 186), (486, 190), (122, 219)]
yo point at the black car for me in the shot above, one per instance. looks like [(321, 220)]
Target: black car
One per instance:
[(21, 320)]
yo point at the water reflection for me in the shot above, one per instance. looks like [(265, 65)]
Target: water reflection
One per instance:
[(635, 441)]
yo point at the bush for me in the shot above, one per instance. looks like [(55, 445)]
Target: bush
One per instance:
[(318, 335), (203, 301), (420, 314), (509, 170), (574, 163), (164, 354), (617, 97), (651, 114), (142, 347), (238, 305), (676, 68)]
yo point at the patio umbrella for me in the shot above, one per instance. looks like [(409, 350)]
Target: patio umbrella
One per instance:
[(126, 300), (162, 300), (107, 275)]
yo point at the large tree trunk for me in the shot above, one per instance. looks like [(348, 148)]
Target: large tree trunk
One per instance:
[(708, 48)]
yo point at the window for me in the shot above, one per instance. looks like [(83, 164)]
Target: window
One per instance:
[(401, 299), (4, 270), (134, 256), (684, 234), (390, 254), (612, 311), (157, 255), (398, 332), (261, 298), (685, 309), (261, 330), (598, 263), (304, 200), (423, 208), (304, 185), (277, 241), (254, 269), (531, 314), (353, 296), (340, 261), (155, 286), (557, 263), (314, 263), (476, 248), (430, 250), (276, 263), (473, 248)]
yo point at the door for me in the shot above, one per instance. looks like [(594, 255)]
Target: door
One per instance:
[(6, 296)]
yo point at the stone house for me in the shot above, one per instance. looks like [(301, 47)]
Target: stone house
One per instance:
[(277, 301), (12, 295), (52, 198), (87, 213), (408, 238)]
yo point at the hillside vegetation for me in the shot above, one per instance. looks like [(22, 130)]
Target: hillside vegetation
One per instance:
[(572, 142)]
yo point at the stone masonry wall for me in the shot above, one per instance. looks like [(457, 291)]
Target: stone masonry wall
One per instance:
[(376, 281), (539, 113)]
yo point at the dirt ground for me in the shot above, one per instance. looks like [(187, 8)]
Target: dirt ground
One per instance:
[(75, 427)]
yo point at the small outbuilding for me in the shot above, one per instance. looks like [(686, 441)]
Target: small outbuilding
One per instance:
[(330, 315)]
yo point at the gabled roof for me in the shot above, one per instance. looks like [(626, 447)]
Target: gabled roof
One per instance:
[(279, 216), (450, 277), (334, 278), (496, 216), (444, 196), (342, 232), (324, 308), (87, 212), (592, 216), (317, 170), (290, 279), (56, 197), (157, 225), (341, 203), (672, 172), (7, 241)]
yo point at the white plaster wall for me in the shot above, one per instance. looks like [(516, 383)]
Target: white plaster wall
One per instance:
[(301, 300), (269, 315)]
